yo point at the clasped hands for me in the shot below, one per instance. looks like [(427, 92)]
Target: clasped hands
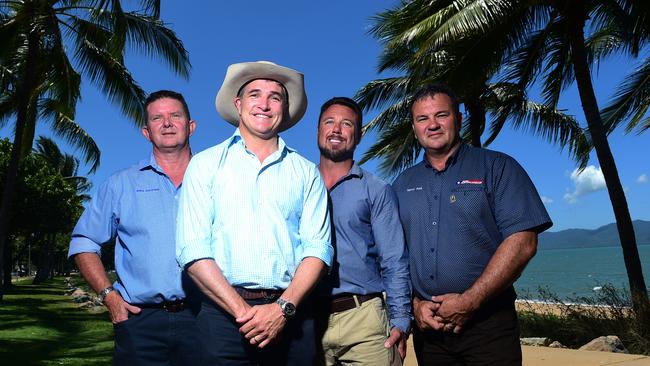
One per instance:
[(261, 324), (448, 312)]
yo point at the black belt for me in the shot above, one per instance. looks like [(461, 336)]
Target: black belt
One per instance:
[(345, 302), (256, 294), (168, 306)]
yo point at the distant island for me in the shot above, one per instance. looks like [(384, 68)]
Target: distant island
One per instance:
[(604, 236)]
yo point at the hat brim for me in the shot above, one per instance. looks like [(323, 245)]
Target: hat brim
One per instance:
[(239, 74)]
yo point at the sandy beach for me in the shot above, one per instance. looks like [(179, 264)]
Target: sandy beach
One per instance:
[(545, 356)]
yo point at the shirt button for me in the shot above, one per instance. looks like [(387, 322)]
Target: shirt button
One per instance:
[(432, 250), (434, 223), (431, 277), (435, 198)]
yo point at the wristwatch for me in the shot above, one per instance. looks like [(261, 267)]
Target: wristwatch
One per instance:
[(103, 293), (288, 309)]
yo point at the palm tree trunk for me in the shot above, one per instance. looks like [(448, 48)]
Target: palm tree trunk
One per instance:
[(577, 19), (476, 119), (23, 92)]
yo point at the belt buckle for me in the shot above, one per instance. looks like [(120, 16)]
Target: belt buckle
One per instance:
[(173, 307)]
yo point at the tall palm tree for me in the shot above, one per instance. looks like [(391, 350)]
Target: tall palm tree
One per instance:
[(45, 47), (551, 46), (468, 65)]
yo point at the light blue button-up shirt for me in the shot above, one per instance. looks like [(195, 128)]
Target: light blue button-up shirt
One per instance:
[(136, 207), (258, 221)]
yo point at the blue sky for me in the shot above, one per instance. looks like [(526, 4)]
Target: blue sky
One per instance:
[(329, 43)]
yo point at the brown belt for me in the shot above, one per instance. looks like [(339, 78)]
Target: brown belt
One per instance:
[(248, 294), (346, 302)]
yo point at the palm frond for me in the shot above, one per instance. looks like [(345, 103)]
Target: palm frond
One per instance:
[(396, 147), (631, 100)]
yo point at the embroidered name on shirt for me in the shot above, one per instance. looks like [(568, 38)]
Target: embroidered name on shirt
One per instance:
[(470, 181), (413, 189), (148, 190)]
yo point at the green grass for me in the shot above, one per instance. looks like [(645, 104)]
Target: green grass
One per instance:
[(39, 325)]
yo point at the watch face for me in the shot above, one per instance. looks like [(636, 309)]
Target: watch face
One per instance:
[(289, 310)]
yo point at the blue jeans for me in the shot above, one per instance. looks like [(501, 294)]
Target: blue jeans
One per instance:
[(224, 345), (156, 337)]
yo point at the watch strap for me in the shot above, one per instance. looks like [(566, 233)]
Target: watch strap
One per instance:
[(103, 293)]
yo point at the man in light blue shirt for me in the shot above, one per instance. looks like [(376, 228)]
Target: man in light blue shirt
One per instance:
[(253, 228), (149, 304)]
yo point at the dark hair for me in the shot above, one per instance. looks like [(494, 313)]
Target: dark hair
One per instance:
[(430, 90), (347, 102), (160, 94)]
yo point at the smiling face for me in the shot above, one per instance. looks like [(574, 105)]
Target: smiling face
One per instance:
[(261, 106), (168, 126), (337, 133), (436, 126)]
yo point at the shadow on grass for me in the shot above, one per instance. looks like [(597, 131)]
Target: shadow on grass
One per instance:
[(41, 326)]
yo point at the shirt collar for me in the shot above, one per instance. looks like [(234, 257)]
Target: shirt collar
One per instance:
[(451, 160), (152, 164), (355, 172), (149, 163), (237, 139)]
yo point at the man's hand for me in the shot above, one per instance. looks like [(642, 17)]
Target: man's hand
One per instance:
[(424, 312), (397, 336), (262, 324), (454, 311), (118, 308)]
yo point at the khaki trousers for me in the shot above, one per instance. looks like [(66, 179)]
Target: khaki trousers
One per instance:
[(357, 336)]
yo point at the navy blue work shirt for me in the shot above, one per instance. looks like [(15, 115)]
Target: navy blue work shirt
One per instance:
[(370, 254), (455, 219)]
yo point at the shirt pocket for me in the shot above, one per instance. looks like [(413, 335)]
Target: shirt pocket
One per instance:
[(469, 203)]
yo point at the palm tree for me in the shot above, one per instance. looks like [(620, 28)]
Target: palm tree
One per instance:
[(67, 166), (468, 65), (549, 43), (45, 47)]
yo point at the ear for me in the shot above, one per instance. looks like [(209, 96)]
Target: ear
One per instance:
[(145, 133), (237, 102), (192, 126)]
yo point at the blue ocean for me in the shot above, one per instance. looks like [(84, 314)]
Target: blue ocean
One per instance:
[(570, 273)]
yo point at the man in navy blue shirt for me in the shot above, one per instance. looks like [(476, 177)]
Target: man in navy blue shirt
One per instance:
[(153, 321), (370, 258), (471, 217)]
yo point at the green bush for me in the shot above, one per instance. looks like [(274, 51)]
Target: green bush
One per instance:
[(581, 319)]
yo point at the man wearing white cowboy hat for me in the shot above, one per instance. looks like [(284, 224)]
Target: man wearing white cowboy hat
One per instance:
[(253, 227)]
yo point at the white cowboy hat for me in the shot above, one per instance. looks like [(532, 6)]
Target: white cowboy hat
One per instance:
[(239, 74)]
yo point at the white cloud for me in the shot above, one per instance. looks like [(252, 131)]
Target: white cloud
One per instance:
[(589, 180), (546, 199), (642, 179)]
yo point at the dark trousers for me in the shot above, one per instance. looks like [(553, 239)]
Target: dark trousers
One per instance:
[(224, 345), (156, 337), (492, 338)]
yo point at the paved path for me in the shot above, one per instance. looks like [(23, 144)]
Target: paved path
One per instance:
[(545, 356)]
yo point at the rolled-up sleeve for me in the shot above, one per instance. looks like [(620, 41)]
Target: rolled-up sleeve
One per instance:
[(195, 215), (315, 227), (97, 225)]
